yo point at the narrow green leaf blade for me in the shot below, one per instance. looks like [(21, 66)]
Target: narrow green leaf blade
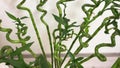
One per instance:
[(58, 19), (11, 16), (71, 56), (24, 17), (115, 12), (23, 48)]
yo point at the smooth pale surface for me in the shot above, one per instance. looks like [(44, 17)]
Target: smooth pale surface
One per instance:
[(2, 65)]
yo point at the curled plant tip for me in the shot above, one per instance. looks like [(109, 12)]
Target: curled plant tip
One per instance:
[(6, 51), (42, 2), (112, 44), (9, 31), (101, 57), (27, 38), (60, 47), (19, 6)]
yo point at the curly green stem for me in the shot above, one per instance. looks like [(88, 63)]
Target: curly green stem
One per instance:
[(82, 28), (59, 26), (98, 29), (48, 30), (19, 6), (9, 31), (112, 44), (59, 8)]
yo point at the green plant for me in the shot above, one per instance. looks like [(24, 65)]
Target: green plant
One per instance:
[(62, 33)]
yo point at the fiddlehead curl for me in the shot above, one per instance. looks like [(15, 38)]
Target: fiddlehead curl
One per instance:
[(6, 51)]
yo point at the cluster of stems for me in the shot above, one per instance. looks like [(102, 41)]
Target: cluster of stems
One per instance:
[(63, 32)]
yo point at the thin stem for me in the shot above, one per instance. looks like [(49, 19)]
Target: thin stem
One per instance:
[(58, 62), (32, 53), (59, 8), (48, 30), (19, 6), (23, 43), (71, 47), (82, 28), (86, 59), (75, 53)]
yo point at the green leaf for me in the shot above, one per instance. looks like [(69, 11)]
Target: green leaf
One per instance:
[(15, 63), (80, 66), (21, 49), (71, 56), (27, 38), (23, 17), (87, 29), (42, 62), (11, 16), (115, 12), (64, 21), (58, 19)]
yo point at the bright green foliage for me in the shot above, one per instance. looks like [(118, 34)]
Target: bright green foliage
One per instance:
[(41, 62), (75, 61), (62, 33)]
